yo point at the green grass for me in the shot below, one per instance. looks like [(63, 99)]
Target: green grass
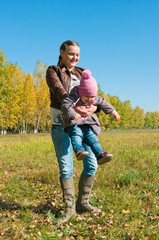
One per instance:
[(126, 189)]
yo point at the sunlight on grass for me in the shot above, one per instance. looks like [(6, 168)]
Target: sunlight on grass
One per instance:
[(126, 189)]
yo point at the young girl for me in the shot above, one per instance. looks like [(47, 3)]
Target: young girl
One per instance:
[(81, 129)]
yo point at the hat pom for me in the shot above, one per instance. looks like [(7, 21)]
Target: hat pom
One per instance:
[(86, 74)]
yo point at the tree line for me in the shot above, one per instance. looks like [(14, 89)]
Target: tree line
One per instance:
[(24, 103)]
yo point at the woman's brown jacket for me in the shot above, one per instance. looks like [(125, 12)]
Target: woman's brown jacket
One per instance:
[(58, 79)]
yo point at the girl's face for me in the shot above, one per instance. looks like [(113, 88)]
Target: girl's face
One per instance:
[(70, 56), (88, 99)]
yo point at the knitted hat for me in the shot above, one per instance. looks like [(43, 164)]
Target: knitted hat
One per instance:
[(88, 85)]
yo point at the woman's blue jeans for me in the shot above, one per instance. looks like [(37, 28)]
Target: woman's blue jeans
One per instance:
[(63, 149)]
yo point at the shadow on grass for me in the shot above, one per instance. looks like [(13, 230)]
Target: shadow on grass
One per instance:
[(9, 206), (46, 207), (42, 208)]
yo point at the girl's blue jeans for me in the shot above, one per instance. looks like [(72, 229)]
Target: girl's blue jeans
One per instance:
[(63, 149), (81, 134)]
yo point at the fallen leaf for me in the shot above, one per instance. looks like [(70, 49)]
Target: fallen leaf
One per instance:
[(109, 215), (60, 234), (32, 226), (127, 225), (126, 211)]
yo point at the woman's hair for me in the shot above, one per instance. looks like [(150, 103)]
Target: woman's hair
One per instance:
[(65, 45)]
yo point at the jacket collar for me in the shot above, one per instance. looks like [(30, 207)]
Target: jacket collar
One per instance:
[(64, 69)]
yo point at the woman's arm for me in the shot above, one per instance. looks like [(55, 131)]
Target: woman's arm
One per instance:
[(85, 111), (76, 112), (55, 84)]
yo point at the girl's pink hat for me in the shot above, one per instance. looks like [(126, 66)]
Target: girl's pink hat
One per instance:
[(88, 85)]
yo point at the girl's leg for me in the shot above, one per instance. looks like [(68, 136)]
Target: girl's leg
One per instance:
[(76, 135), (63, 148), (92, 140)]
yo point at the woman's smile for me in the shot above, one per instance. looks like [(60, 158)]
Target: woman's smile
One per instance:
[(70, 56)]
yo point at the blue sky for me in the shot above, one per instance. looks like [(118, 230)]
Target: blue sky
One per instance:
[(119, 41)]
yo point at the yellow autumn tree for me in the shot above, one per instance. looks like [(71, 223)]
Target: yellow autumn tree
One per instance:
[(157, 117), (103, 118), (126, 114), (11, 98), (118, 105), (139, 118), (152, 120), (42, 114), (19, 91), (11, 87), (29, 103), (3, 90)]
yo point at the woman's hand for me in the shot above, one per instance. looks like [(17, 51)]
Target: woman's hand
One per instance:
[(85, 111), (76, 116)]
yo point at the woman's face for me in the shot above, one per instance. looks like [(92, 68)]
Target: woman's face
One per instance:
[(70, 56)]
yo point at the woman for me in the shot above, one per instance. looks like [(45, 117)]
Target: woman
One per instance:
[(61, 79)]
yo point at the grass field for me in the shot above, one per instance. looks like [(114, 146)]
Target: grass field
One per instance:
[(126, 189)]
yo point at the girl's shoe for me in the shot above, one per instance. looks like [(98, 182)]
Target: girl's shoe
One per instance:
[(81, 155), (104, 157)]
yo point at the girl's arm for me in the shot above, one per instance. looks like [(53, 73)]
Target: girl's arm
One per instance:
[(115, 115), (68, 109), (106, 107)]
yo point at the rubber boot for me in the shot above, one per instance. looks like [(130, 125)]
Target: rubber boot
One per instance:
[(85, 187), (67, 186)]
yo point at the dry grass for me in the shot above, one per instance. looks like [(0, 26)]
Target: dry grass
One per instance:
[(126, 189)]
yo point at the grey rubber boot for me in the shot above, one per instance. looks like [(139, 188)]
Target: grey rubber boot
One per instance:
[(85, 187), (67, 186)]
